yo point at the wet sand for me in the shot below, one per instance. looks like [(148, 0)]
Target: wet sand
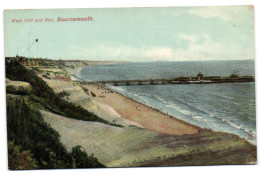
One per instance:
[(148, 117)]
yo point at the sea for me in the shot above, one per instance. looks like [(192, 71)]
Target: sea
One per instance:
[(225, 107)]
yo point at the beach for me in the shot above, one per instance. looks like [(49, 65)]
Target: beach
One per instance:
[(119, 109), (142, 114), (127, 133)]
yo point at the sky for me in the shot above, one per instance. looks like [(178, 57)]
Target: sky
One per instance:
[(134, 34)]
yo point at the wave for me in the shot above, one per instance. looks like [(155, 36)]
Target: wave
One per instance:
[(198, 117), (220, 95), (189, 113), (217, 110), (183, 105)]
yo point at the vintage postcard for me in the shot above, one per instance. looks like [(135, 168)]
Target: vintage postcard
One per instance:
[(130, 87)]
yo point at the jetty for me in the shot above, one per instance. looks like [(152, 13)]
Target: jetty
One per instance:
[(199, 79)]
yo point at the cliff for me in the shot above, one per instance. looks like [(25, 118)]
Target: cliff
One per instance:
[(62, 116)]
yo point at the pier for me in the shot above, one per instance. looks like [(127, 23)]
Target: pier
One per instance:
[(179, 80), (130, 82)]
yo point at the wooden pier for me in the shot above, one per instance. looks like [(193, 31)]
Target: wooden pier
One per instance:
[(180, 80), (130, 82)]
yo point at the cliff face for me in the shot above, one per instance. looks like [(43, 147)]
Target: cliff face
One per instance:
[(52, 116), (72, 92), (32, 143), (128, 147), (18, 87)]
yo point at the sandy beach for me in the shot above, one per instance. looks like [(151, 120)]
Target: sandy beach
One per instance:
[(146, 116), (116, 108)]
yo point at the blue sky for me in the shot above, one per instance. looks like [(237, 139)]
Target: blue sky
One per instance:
[(135, 34)]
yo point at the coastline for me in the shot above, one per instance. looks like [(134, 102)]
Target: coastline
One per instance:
[(137, 112), (129, 109), (142, 114), (167, 126), (134, 134)]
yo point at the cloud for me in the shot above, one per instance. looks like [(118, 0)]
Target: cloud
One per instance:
[(229, 13), (188, 37), (200, 47), (210, 50), (164, 53), (116, 52)]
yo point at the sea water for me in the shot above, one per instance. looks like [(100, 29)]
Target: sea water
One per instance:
[(226, 107)]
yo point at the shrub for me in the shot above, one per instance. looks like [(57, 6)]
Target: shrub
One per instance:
[(82, 160), (33, 138), (18, 159), (53, 102)]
